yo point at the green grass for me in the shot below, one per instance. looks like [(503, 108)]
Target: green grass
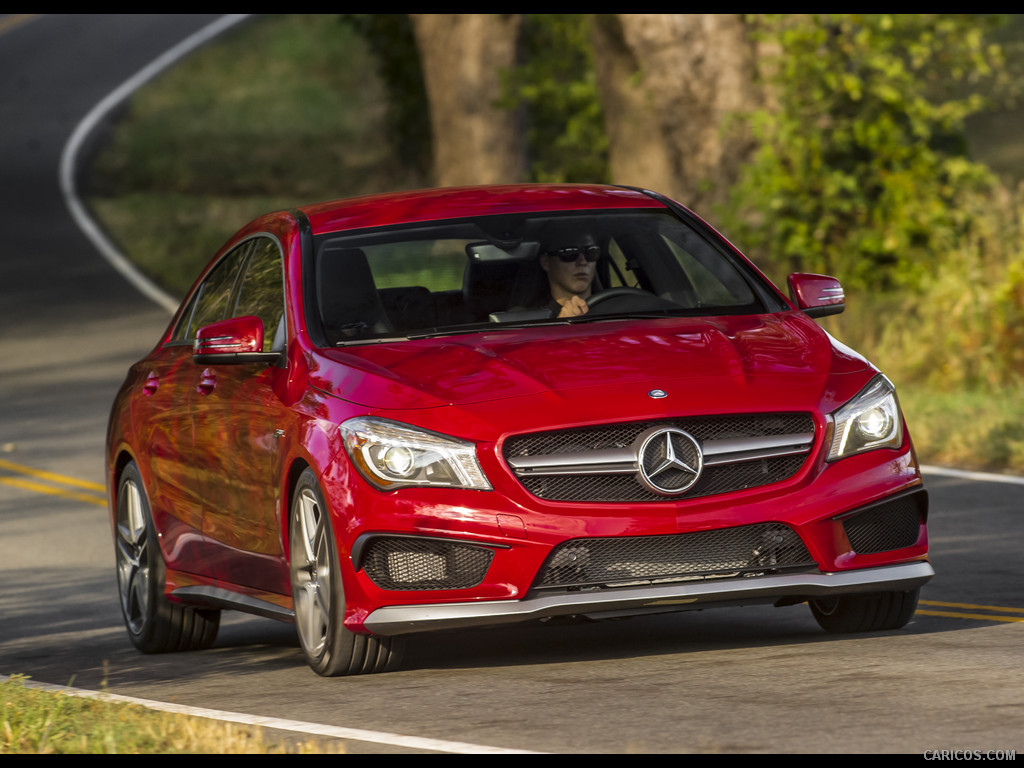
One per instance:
[(41, 722)]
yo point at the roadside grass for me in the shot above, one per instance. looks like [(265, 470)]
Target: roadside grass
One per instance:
[(967, 429), (282, 110), (288, 109), (40, 722)]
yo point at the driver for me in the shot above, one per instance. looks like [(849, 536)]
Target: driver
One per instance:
[(570, 271)]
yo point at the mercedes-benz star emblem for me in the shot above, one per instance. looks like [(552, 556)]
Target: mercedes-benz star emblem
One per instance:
[(670, 460)]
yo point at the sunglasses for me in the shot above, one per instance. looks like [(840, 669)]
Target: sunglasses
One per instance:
[(568, 255)]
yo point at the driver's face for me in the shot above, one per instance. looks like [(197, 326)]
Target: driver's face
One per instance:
[(569, 276)]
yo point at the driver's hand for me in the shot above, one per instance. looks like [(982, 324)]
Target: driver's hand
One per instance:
[(574, 306)]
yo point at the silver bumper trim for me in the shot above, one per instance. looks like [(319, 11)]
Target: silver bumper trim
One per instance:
[(690, 595)]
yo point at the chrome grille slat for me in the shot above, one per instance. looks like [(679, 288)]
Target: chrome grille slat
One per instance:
[(622, 460), (599, 464)]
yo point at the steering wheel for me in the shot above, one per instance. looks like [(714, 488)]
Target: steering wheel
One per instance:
[(610, 293)]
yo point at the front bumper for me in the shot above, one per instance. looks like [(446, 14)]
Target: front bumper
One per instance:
[(626, 601)]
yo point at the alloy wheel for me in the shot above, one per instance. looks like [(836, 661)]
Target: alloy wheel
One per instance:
[(312, 572), (133, 561)]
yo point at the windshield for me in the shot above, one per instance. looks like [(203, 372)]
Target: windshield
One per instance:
[(482, 273)]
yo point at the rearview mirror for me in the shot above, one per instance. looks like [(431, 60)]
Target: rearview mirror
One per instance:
[(491, 252), (816, 295)]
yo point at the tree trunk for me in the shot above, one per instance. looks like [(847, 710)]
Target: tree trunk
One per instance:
[(669, 85), (463, 57)]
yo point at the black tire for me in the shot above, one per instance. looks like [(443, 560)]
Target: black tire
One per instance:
[(154, 623), (319, 594), (865, 613)]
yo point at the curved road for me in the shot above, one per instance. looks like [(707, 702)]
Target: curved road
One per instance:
[(751, 680)]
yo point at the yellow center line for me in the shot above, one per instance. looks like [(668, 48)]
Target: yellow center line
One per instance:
[(14, 20), (49, 489), (978, 616), (971, 606), (95, 493), (51, 477)]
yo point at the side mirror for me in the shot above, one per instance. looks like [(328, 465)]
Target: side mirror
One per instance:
[(816, 295), (238, 341)]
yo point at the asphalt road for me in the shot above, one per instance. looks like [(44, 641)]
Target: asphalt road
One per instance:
[(741, 680)]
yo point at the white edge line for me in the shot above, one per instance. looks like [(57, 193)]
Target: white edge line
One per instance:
[(69, 157), (297, 726), (983, 477)]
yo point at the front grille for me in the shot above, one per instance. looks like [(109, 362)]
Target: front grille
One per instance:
[(892, 524), (749, 549), (600, 464), (400, 562)]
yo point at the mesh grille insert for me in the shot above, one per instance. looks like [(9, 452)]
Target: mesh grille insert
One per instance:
[(762, 548), (396, 562), (893, 524)]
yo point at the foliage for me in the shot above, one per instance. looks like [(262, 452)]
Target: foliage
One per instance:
[(555, 84), (964, 328), (861, 169)]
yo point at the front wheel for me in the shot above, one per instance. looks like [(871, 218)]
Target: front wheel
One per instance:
[(865, 613), (154, 623), (319, 595)]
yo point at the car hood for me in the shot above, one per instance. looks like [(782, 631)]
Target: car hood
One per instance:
[(493, 365)]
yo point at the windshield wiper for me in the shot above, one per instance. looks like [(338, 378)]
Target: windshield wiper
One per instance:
[(649, 314), (486, 328)]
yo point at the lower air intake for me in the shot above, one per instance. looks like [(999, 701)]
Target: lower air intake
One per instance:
[(763, 548), (395, 562), (892, 524)]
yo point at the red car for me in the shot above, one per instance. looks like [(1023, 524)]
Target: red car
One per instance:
[(465, 407)]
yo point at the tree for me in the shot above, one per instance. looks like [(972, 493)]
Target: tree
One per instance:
[(672, 87), (463, 57)]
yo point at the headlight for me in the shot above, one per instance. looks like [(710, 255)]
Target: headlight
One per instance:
[(392, 455), (870, 420)]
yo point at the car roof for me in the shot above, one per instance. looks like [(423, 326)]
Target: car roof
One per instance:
[(459, 202)]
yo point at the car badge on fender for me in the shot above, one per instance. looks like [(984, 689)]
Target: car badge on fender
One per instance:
[(669, 459), (657, 394)]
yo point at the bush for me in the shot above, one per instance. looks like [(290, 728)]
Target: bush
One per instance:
[(861, 169)]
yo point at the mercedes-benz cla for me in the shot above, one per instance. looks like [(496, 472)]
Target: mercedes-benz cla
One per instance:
[(464, 407)]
